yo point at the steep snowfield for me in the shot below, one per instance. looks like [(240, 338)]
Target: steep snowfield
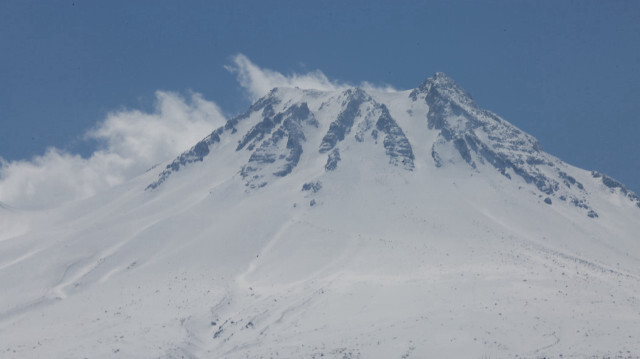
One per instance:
[(390, 251)]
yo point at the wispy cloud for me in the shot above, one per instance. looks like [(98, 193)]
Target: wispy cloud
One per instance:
[(259, 81), (131, 142)]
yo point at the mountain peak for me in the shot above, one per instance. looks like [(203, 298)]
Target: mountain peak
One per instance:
[(289, 131), (440, 78), (443, 86)]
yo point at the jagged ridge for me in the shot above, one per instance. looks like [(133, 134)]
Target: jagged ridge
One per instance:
[(481, 137), (271, 156), (465, 133)]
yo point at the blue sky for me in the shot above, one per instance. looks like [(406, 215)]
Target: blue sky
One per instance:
[(567, 72)]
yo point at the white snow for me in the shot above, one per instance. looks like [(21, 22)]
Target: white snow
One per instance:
[(388, 263)]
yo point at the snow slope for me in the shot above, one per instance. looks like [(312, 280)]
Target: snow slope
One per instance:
[(337, 225)]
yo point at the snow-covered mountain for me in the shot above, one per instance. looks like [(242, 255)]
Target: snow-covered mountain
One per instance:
[(347, 224)]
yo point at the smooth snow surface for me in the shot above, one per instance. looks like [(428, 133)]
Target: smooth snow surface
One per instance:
[(431, 237)]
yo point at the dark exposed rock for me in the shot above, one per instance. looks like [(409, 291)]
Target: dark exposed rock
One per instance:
[(461, 145), (396, 144), (264, 104), (614, 184), (609, 182), (290, 126), (332, 160), (547, 200), (580, 203), (195, 154), (201, 149), (568, 180), (374, 134), (436, 156), (269, 121), (259, 131), (342, 125), (312, 186), (480, 137)]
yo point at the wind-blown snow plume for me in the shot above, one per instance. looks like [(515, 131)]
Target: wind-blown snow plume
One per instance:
[(259, 81), (132, 141)]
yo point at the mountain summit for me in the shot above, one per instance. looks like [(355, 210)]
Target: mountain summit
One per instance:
[(335, 224), (276, 128)]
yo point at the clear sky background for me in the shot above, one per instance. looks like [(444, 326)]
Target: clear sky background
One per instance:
[(567, 72)]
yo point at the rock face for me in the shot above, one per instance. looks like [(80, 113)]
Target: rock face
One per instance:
[(480, 137), (343, 124), (276, 141), (275, 132), (614, 186), (195, 154), (273, 154)]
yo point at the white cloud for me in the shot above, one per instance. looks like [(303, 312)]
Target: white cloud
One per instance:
[(258, 81), (133, 141)]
